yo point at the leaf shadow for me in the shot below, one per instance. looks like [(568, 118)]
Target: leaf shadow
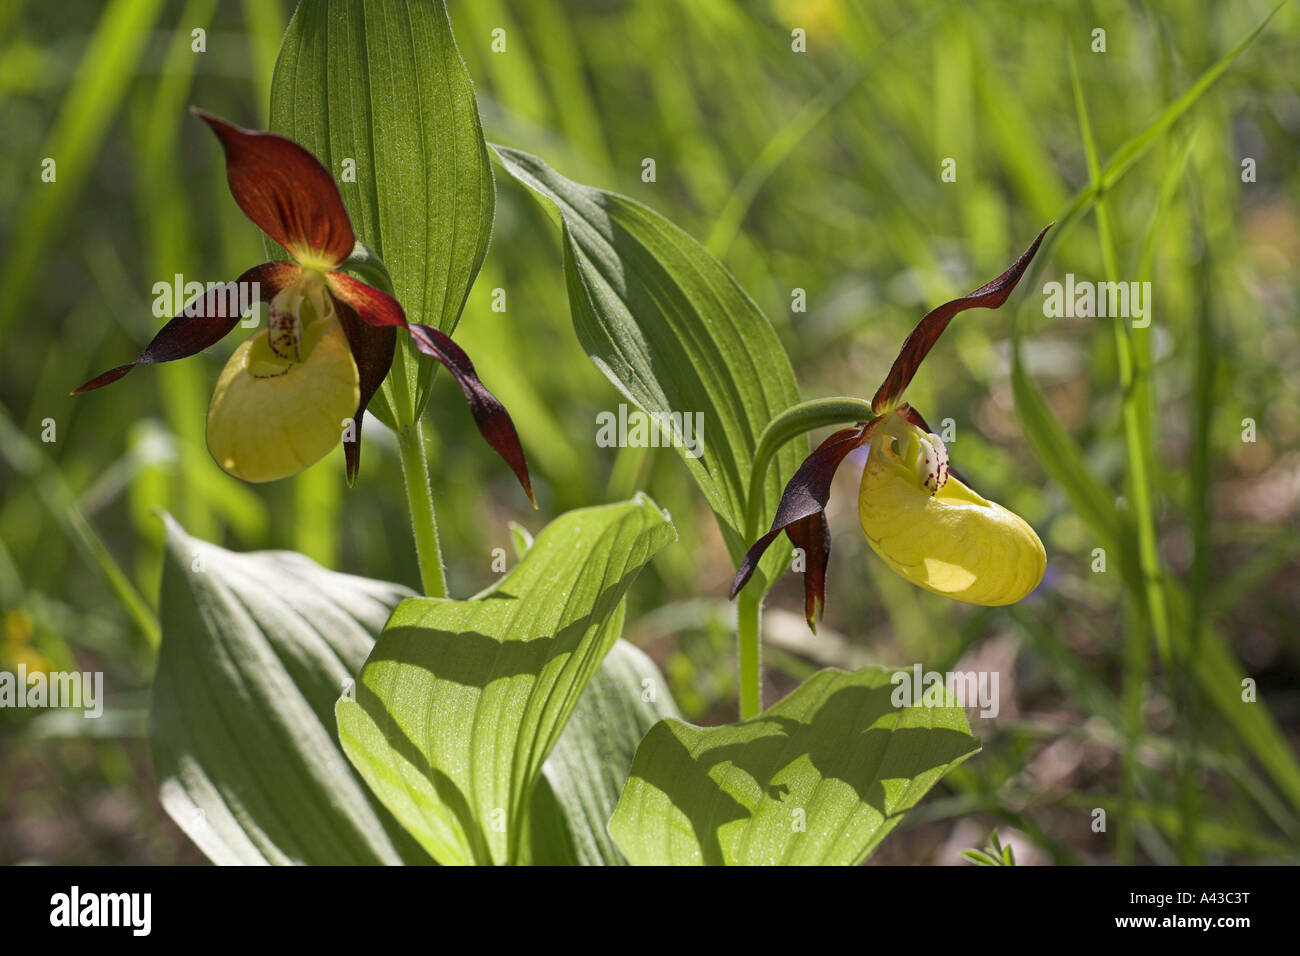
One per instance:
[(839, 740), (444, 787), (473, 659)]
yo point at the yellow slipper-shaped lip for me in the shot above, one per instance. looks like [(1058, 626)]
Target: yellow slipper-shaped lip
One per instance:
[(271, 417), (953, 542)]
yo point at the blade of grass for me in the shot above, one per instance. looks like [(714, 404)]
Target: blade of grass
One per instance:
[(166, 211), (1217, 671), (788, 137), (1136, 147), (1135, 413), (561, 59), (87, 109), (26, 457), (1198, 503), (264, 23)]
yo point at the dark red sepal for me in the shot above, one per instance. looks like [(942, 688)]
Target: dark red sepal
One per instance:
[(204, 321), (928, 330), (285, 190), (806, 495)]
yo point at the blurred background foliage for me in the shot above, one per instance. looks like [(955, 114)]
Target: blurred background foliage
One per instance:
[(816, 171)]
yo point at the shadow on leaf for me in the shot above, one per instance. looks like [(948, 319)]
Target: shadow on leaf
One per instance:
[(752, 770)]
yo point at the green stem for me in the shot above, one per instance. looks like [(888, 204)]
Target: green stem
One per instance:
[(419, 498), (749, 638), (795, 421), (410, 438), (791, 423)]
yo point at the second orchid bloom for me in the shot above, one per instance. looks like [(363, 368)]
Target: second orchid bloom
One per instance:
[(924, 521), (298, 387)]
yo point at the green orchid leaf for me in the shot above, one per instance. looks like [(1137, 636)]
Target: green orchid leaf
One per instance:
[(584, 776), (461, 702), (819, 778), (551, 841), (675, 333), (378, 91), (256, 648)]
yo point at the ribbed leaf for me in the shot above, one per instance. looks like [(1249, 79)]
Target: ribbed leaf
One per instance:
[(382, 84), (460, 702), (586, 771), (256, 649), (675, 333), (819, 778)]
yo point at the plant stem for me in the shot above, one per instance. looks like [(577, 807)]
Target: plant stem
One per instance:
[(419, 498), (749, 639), (794, 421), (410, 439)]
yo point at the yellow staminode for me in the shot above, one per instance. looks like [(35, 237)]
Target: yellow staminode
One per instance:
[(950, 540), (271, 417)]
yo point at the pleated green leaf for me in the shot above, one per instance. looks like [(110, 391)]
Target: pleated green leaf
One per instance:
[(256, 649), (820, 778), (378, 91), (584, 776), (461, 702), (677, 335)]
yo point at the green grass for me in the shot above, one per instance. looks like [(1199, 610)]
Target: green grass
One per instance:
[(819, 171)]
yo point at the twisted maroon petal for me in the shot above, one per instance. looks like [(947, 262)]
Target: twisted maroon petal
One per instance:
[(490, 415), (928, 330), (374, 306), (805, 496), (813, 535), (205, 320), (910, 414), (380, 309)]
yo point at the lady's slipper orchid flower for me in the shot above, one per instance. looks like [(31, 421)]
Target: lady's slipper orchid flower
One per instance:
[(922, 519), (293, 390)]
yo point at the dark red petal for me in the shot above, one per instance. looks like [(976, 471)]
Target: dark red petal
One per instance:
[(805, 494), (380, 309), (217, 313), (813, 535), (374, 306), (490, 415), (285, 190), (929, 329), (372, 350)]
